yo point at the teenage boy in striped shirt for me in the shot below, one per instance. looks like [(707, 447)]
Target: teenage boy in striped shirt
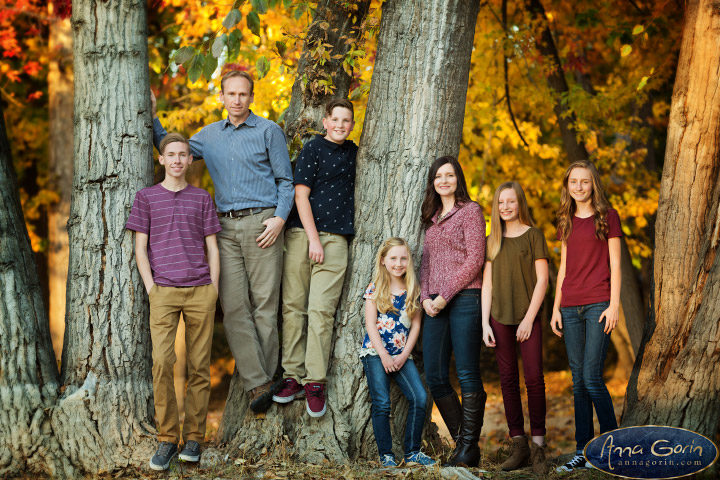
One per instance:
[(174, 224)]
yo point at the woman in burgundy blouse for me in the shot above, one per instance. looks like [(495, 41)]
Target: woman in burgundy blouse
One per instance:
[(450, 276)]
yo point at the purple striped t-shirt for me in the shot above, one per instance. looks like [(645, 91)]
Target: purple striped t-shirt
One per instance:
[(176, 224)]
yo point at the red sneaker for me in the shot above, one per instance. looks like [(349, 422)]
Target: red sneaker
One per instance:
[(315, 399), (290, 391)]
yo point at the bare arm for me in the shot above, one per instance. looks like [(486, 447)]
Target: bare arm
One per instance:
[(556, 322), (302, 201), (213, 255), (142, 260), (411, 341), (374, 335), (486, 302), (612, 314), (541, 273)]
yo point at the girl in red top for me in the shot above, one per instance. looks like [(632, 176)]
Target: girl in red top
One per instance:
[(450, 278), (587, 298)]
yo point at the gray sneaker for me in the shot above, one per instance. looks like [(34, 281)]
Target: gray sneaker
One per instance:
[(190, 451), (164, 455)]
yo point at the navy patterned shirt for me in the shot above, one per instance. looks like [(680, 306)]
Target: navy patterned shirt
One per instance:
[(328, 169)]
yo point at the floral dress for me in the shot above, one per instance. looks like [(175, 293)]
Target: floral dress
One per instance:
[(392, 326)]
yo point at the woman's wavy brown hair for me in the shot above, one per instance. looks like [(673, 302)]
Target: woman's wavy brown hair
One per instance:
[(598, 201), (432, 202)]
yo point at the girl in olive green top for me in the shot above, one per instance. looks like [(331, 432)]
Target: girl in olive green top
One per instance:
[(514, 284)]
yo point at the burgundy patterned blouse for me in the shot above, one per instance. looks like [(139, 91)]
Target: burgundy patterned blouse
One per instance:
[(453, 253)]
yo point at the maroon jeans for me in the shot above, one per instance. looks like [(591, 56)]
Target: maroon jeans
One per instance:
[(506, 356)]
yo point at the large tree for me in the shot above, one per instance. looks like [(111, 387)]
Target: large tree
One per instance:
[(415, 113), (676, 379)]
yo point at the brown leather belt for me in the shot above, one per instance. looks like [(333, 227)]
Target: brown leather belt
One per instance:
[(241, 213)]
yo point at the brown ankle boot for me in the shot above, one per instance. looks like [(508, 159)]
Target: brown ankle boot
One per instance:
[(537, 459), (519, 456)]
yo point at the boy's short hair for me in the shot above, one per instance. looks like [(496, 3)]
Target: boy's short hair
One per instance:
[(237, 73), (172, 138), (338, 102)]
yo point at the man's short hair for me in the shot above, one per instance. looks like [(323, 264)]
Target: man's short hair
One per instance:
[(338, 102), (234, 74), (172, 138)]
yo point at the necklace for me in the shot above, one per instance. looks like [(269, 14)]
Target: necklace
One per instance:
[(443, 215)]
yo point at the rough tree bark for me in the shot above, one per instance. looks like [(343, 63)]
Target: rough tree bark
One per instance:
[(676, 380), (60, 149), (336, 23), (415, 113), (28, 374), (628, 332), (105, 415)]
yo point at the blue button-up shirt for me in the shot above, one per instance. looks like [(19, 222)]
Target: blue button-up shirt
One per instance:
[(249, 164)]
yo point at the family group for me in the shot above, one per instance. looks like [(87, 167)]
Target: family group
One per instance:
[(269, 227)]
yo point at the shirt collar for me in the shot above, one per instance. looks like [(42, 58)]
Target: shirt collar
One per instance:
[(251, 121), (449, 214)]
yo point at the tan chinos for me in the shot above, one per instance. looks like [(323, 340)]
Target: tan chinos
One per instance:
[(197, 305), (311, 292), (249, 295)]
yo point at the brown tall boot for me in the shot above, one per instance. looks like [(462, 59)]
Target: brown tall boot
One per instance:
[(451, 412), (518, 456), (537, 459)]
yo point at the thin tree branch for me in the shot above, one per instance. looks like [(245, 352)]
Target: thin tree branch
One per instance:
[(507, 82)]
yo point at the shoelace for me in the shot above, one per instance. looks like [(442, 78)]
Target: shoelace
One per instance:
[(388, 458), (316, 392), (192, 445), (165, 449), (575, 462)]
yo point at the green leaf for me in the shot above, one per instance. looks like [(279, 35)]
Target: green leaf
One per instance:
[(262, 66), (643, 82), (299, 10), (287, 3), (273, 3), (638, 30), (183, 55), (233, 43), (625, 50), (237, 4), (260, 6), (281, 48), (218, 45), (253, 23), (233, 17), (196, 67), (211, 64)]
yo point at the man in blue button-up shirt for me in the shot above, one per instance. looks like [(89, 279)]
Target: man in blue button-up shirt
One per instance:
[(248, 161)]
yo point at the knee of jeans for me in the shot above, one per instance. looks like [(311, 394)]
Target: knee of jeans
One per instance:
[(419, 399), (381, 406), (593, 382)]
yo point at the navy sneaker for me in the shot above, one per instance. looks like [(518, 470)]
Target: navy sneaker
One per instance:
[(388, 460), (164, 455), (190, 451), (418, 458), (576, 463)]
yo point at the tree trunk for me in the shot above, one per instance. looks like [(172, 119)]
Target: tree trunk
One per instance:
[(105, 416), (627, 335), (28, 374), (337, 24), (677, 378), (60, 149), (415, 114)]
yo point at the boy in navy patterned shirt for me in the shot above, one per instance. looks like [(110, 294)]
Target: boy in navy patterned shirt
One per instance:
[(316, 256)]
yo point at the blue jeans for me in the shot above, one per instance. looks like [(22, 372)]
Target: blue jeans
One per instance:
[(457, 329), (587, 345), (408, 379)]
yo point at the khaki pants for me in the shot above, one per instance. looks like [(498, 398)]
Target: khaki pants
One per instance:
[(197, 305), (249, 295), (310, 295)]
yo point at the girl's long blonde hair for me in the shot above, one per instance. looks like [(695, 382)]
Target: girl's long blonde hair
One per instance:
[(598, 201), (381, 279), (497, 224)]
